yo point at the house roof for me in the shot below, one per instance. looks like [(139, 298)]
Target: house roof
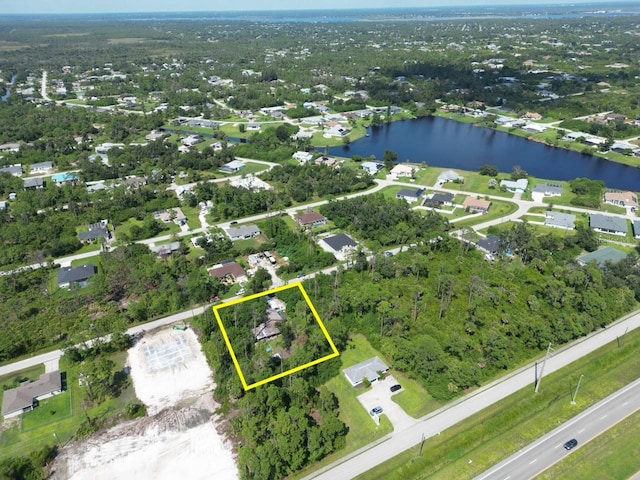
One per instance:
[(93, 233), (166, 248), (415, 193), (371, 166), (221, 271), (75, 274), (243, 231), (558, 219), (608, 222), (520, 184), (491, 244), (628, 198), (338, 242), (437, 198), (309, 218), (64, 177), (33, 182), (474, 202), (601, 256), (41, 166), (449, 176), (402, 169), (548, 188), (13, 169), (369, 369), (636, 227), (22, 397)]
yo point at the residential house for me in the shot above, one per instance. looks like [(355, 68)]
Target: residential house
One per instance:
[(371, 167), (253, 126), (174, 214), (542, 190), (303, 157), (400, 170), (516, 186), (165, 249), (474, 204), (243, 232), (560, 220), (94, 232), (369, 369), (622, 199), (269, 328), (65, 178), (33, 183), (608, 224), (41, 167), (10, 147), (232, 167), (310, 219), (534, 128), (410, 195), (105, 147), (489, 244), (439, 199), (191, 140), (602, 256), (449, 176), (15, 169), (636, 229), (26, 397), (340, 243), (328, 161), (68, 276), (229, 272)]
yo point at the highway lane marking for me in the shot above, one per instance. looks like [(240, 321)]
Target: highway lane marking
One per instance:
[(582, 430), (603, 416), (625, 404), (533, 461), (507, 477)]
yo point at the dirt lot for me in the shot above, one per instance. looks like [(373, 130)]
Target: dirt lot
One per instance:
[(178, 439)]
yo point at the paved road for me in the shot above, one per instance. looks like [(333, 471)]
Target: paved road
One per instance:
[(403, 439), (544, 452)]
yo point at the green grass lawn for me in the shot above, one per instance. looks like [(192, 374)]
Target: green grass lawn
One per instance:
[(49, 411), (498, 209), (192, 214), (612, 455), (413, 398), (12, 380), (507, 426)]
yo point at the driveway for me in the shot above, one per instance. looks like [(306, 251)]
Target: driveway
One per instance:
[(380, 395)]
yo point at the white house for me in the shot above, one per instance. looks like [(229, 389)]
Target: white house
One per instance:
[(519, 185), (371, 167)]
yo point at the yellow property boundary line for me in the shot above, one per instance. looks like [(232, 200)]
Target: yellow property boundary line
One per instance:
[(334, 351)]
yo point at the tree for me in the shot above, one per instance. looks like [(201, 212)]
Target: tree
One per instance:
[(97, 375), (489, 170), (518, 172), (260, 282), (389, 158)]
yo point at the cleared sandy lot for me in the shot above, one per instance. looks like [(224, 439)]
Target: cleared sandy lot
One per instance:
[(178, 439)]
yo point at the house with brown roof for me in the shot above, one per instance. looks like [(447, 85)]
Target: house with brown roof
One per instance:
[(310, 219), (25, 397), (269, 328), (474, 204), (229, 272), (622, 199)]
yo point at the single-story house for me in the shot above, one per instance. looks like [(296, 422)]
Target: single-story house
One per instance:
[(229, 272), (232, 167), (25, 397), (371, 167), (269, 329), (622, 199), (15, 169), (243, 232), (519, 185), (402, 170), (534, 128), (40, 167), (560, 220), (438, 199), (476, 204), (166, 215), (340, 242), (574, 136), (542, 190), (94, 232), (10, 147), (636, 228), (601, 256), (449, 176), (68, 276), (410, 196), (65, 177), (33, 183), (489, 244), (608, 224), (105, 147), (253, 126), (368, 369), (191, 140), (303, 157), (310, 218), (165, 249)]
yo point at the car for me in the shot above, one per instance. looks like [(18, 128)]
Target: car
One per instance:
[(233, 223), (395, 388), (388, 254), (570, 444), (376, 410), (300, 275)]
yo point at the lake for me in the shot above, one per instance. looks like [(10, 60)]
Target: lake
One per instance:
[(440, 142)]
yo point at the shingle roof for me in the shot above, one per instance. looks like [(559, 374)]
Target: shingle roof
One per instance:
[(601, 256), (22, 397), (222, 271), (369, 369), (93, 234), (608, 222), (558, 219), (309, 218), (338, 242), (75, 274), (243, 231)]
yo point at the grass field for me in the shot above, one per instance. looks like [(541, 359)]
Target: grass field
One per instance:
[(498, 209), (505, 427), (614, 454)]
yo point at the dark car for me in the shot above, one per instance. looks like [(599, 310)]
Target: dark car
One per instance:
[(570, 444), (395, 388), (233, 223), (376, 411), (300, 275)]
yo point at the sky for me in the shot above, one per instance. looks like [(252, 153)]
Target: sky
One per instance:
[(116, 6)]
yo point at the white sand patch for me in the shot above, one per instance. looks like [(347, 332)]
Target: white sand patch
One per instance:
[(178, 440)]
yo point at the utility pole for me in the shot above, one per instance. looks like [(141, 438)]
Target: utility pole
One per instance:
[(542, 367), (573, 400), (421, 445)]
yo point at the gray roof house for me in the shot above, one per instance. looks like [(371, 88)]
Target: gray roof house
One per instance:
[(547, 190), (75, 275), (438, 199), (340, 242), (232, 167), (602, 256), (636, 228), (608, 224), (449, 176), (26, 396), (95, 231), (243, 232), (15, 169), (490, 244), (29, 183), (40, 167), (560, 220), (368, 369), (410, 196)]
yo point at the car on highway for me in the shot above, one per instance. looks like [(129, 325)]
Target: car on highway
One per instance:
[(570, 444), (376, 411), (395, 388)]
